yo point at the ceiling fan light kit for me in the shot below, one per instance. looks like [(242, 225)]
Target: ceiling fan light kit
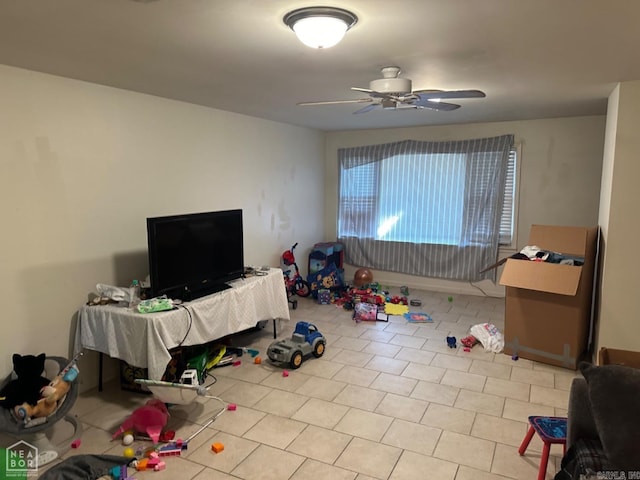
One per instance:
[(320, 27)]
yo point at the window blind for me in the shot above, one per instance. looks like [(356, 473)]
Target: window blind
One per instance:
[(508, 205)]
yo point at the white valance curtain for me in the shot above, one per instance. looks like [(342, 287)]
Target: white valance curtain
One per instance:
[(424, 208)]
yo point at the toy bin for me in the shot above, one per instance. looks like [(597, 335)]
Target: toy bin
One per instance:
[(324, 254)]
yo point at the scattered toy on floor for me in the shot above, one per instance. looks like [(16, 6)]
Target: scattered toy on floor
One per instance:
[(173, 448), (150, 418), (469, 341), (306, 340), (127, 438), (362, 276), (418, 317), (451, 342), (217, 447)]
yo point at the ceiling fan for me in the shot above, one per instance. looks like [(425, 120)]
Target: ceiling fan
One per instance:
[(392, 92)]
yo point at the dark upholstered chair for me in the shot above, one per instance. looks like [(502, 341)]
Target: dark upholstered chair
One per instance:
[(603, 420)]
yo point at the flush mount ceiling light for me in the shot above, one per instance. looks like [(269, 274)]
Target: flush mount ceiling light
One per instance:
[(320, 27)]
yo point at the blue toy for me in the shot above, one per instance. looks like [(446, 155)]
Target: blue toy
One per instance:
[(120, 473), (306, 339), (451, 342)]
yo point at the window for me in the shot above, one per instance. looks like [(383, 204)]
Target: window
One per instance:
[(411, 199), (446, 199)]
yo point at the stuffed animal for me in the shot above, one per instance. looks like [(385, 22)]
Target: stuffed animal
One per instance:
[(150, 418), (26, 387), (51, 394)]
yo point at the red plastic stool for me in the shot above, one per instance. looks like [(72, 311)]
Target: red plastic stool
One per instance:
[(551, 430)]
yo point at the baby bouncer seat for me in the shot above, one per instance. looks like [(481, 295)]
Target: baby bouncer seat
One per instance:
[(40, 432)]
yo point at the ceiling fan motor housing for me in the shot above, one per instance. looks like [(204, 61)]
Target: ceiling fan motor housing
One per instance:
[(391, 85)]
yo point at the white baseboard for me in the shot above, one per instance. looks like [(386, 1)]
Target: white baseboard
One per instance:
[(484, 288)]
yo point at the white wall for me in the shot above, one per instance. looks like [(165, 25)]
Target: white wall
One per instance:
[(561, 164), (617, 319), (83, 165)]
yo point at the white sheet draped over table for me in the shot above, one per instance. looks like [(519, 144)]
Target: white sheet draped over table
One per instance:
[(144, 340)]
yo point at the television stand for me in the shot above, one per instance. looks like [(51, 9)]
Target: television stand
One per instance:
[(120, 332)]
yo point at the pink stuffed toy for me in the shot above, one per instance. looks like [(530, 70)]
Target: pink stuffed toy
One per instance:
[(151, 418)]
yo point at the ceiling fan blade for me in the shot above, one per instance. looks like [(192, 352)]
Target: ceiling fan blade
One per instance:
[(430, 104), (431, 94), (336, 102), (366, 109)]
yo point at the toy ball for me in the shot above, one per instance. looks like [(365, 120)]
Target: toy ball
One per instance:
[(450, 299), (129, 453), (363, 276), (127, 439)]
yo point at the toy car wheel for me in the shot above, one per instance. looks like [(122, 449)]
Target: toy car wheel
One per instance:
[(318, 349), (296, 359)]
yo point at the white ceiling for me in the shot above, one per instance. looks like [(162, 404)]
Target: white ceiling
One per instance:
[(533, 58)]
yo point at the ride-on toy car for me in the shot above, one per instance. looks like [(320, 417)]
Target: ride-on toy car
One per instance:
[(306, 339)]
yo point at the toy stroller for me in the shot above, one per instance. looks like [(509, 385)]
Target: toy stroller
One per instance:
[(294, 284)]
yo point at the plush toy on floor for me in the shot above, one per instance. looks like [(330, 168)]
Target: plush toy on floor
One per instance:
[(26, 387), (150, 418)]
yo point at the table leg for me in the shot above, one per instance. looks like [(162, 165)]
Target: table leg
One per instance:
[(275, 333), (100, 361)]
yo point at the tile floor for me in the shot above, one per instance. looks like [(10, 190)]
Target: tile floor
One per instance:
[(386, 401)]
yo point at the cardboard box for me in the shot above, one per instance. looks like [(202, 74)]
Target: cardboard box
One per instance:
[(612, 356), (549, 305)]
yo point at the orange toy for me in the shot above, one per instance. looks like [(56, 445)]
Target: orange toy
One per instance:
[(217, 447), (363, 276)]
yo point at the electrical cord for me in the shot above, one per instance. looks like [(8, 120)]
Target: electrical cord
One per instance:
[(188, 329), (476, 286), (483, 292), (215, 380)]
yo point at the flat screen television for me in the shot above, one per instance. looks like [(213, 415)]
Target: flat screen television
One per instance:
[(196, 254)]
